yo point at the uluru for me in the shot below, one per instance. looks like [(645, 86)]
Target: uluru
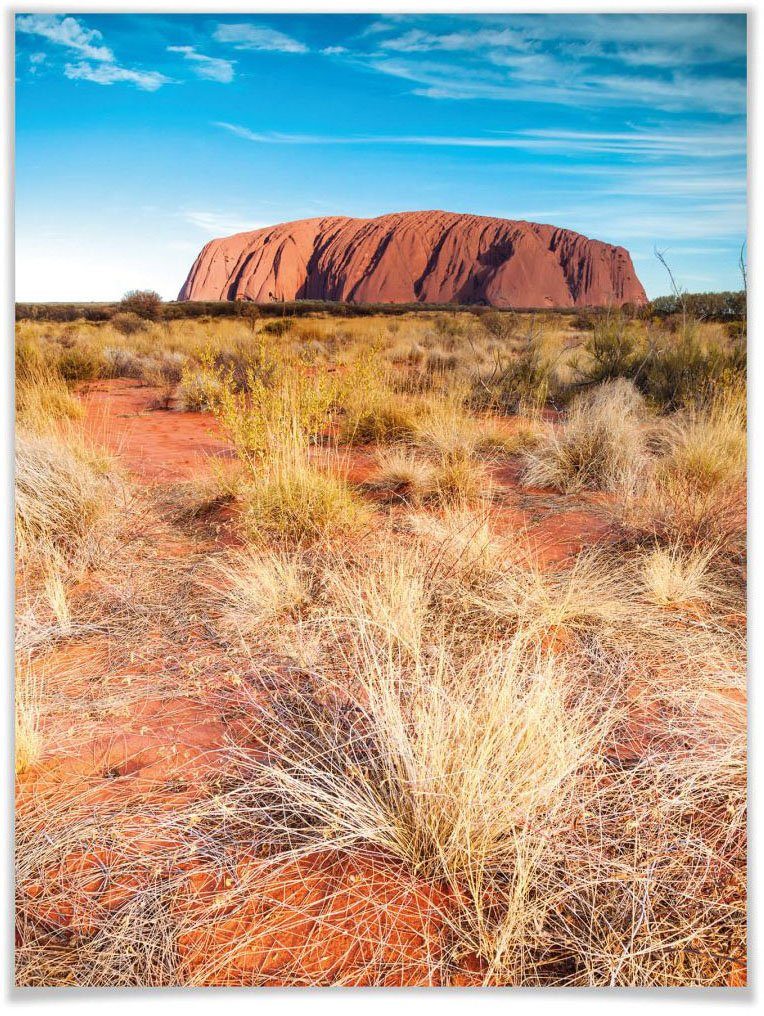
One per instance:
[(429, 257)]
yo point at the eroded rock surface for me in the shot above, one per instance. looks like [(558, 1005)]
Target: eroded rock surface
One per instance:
[(424, 257)]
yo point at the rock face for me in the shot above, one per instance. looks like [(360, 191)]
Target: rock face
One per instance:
[(415, 257)]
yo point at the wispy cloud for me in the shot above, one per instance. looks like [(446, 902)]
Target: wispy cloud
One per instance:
[(418, 41), (219, 223), (112, 74), (526, 81), (700, 144), (36, 61), (65, 31), (246, 35), (662, 62), (211, 68), (96, 62)]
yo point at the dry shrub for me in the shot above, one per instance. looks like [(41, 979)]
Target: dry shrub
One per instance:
[(61, 500), (591, 593), (441, 765), (259, 589), (28, 743), (402, 472), (696, 494), (128, 323), (677, 577), (600, 445), (708, 446), (44, 400), (295, 502)]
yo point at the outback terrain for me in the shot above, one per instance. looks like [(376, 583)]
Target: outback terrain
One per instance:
[(383, 650)]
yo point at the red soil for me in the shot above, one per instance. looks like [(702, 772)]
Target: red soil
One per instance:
[(323, 918), (158, 446), (320, 919)]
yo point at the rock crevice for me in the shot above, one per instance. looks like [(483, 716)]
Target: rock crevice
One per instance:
[(416, 257)]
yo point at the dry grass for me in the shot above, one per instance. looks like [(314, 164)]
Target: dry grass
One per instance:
[(261, 589), (600, 445), (292, 500), (28, 742), (542, 767), (60, 497), (676, 577), (696, 494), (402, 472)]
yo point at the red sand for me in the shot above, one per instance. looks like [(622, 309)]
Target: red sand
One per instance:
[(159, 446), (322, 918)]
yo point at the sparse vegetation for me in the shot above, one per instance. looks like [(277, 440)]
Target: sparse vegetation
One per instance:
[(354, 703)]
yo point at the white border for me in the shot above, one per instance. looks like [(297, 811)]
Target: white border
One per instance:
[(577, 1002)]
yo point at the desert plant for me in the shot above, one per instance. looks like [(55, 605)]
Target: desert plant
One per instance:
[(600, 445), (28, 742), (674, 576), (60, 498), (261, 588), (612, 351), (44, 400), (294, 502), (401, 472), (128, 323), (79, 364), (144, 303), (522, 378)]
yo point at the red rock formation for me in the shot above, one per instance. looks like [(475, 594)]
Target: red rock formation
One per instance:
[(415, 257)]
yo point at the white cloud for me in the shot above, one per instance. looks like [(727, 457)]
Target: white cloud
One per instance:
[(245, 35), (96, 63), (334, 50), (65, 31), (701, 144), (418, 41), (557, 85), (583, 60), (220, 223), (209, 67), (110, 74)]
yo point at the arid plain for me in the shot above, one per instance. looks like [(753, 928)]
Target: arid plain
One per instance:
[(391, 649)]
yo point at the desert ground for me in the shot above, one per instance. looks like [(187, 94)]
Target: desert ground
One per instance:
[(388, 650)]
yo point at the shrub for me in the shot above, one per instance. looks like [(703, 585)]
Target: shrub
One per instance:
[(79, 364), (144, 303), (522, 380), (198, 392), (683, 373), (295, 503), (612, 351), (501, 325), (600, 445), (60, 499), (128, 323), (278, 328), (121, 362)]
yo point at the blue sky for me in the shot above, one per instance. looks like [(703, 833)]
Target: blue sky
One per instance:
[(140, 137)]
